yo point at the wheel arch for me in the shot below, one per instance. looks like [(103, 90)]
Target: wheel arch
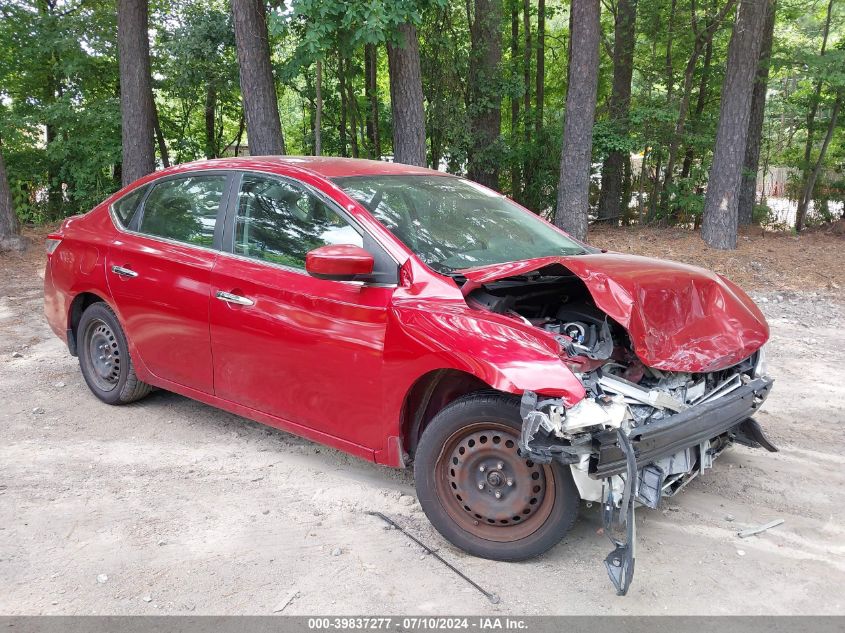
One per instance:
[(77, 307), (429, 394)]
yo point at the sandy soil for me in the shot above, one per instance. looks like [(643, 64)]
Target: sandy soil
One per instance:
[(170, 507)]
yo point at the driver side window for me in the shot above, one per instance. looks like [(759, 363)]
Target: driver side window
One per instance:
[(280, 221)]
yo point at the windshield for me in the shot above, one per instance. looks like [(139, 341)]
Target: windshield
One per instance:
[(452, 223)]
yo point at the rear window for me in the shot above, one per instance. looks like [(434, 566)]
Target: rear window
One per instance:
[(125, 208)]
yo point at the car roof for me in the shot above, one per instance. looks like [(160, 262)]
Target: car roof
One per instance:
[(325, 166)]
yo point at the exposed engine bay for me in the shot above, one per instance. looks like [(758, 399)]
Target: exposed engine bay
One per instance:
[(641, 433)]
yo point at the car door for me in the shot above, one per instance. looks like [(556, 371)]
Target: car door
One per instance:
[(307, 350), (159, 271)]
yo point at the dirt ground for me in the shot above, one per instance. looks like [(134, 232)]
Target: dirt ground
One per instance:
[(169, 506)]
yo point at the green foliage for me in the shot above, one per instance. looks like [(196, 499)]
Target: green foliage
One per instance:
[(60, 112), (58, 83), (193, 57)]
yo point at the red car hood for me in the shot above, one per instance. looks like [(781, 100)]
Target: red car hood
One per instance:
[(679, 317)]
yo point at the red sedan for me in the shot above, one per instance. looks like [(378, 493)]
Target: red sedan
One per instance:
[(413, 317)]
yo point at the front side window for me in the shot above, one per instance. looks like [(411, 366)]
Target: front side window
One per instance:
[(454, 224), (184, 209), (280, 221)]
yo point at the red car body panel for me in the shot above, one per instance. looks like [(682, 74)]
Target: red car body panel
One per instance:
[(335, 361), (303, 350), (164, 311), (679, 317)]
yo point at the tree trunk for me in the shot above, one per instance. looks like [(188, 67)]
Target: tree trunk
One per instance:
[(813, 175), (527, 166), (162, 144), (10, 238), (341, 80), (803, 203), (700, 102), (516, 185), (136, 94), (318, 108), (670, 70), (371, 90), (240, 136), (52, 87), (406, 97), (210, 120), (574, 184), (702, 39), (719, 225), (261, 108), (352, 105), (612, 203), (527, 53), (55, 196), (748, 187), (540, 76), (485, 99)]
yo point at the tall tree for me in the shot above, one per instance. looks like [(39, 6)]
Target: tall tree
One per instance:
[(527, 54), (406, 97), (702, 41), (748, 188), (10, 238), (318, 109), (540, 75), (516, 187), (485, 92), (210, 117), (815, 168), (371, 95), (806, 165), (701, 97), (719, 226), (613, 169), (261, 108), (136, 94), (574, 183)]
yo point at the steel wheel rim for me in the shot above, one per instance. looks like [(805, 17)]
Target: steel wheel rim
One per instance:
[(103, 355), (477, 462)]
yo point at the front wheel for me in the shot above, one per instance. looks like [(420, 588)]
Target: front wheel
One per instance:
[(104, 357), (479, 491)]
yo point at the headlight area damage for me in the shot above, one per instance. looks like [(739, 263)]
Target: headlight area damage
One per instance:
[(672, 362)]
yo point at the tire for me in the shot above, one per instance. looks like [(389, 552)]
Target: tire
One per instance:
[(466, 456), (104, 357)]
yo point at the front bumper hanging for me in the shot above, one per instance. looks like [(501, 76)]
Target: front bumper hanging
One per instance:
[(632, 455), (691, 427)]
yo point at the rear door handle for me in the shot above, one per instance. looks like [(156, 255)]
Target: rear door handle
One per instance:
[(228, 297), (123, 272)]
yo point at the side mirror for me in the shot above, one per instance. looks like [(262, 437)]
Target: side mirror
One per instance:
[(341, 262)]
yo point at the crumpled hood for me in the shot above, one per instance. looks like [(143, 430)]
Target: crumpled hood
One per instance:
[(679, 317)]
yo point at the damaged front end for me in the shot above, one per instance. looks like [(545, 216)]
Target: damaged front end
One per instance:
[(630, 444), (641, 433)]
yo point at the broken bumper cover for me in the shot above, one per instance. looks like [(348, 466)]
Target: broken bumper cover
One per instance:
[(650, 442)]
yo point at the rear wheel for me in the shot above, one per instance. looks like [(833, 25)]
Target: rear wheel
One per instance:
[(480, 492), (104, 357)]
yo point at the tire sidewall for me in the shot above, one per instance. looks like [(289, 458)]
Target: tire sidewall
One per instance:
[(500, 409), (101, 312)]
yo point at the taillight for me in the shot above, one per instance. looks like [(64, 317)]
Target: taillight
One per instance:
[(52, 243)]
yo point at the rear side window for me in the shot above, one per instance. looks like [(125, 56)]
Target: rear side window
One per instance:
[(184, 209), (125, 208)]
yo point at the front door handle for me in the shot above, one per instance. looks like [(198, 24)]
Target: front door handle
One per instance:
[(228, 297), (123, 272)]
